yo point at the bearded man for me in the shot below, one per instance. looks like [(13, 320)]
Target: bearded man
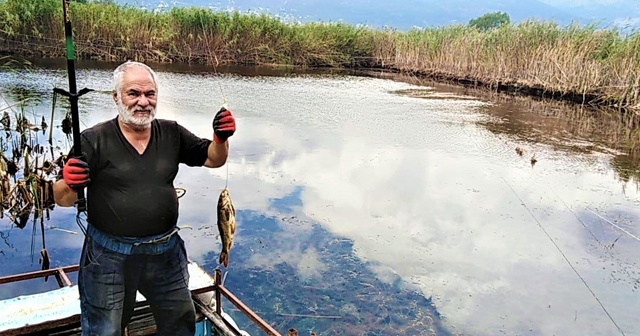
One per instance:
[(132, 243)]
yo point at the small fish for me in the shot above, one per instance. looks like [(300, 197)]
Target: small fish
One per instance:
[(226, 224), (533, 160), (519, 151)]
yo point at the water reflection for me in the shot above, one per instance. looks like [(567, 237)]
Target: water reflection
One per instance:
[(579, 129), (386, 210), (450, 226)]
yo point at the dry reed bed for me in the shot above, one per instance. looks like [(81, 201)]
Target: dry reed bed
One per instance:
[(564, 60)]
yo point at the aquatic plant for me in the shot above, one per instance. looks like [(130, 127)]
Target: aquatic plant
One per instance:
[(27, 167)]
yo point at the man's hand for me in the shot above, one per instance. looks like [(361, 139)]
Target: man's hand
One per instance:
[(76, 174), (224, 125)]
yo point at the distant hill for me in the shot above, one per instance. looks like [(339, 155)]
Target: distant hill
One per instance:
[(402, 15), (618, 13)]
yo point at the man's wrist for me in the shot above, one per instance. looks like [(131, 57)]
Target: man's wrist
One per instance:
[(218, 140)]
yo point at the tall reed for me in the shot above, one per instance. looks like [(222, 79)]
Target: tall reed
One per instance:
[(576, 60), (573, 59)]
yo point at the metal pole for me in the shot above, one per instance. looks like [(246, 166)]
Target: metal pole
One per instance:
[(218, 283)]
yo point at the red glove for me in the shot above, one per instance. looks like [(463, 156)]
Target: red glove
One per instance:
[(76, 174), (224, 125)]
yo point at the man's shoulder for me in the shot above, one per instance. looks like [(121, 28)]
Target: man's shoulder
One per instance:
[(99, 128), (166, 122), (169, 125)]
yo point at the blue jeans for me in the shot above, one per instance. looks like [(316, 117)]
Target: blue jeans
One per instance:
[(108, 281)]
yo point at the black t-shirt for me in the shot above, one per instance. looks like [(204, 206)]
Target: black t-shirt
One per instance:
[(132, 194)]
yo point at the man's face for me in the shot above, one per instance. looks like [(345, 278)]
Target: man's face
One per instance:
[(137, 98)]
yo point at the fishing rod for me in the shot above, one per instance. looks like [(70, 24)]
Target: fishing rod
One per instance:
[(73, 96)]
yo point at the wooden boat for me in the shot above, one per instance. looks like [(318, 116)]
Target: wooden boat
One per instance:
[(57, 312)]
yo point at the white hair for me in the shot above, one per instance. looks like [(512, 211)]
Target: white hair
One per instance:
[(118, 74)]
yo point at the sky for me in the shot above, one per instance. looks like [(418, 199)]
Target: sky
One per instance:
[(577, 3)]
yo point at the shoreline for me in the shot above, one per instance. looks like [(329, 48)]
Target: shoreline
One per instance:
[(43, 49)]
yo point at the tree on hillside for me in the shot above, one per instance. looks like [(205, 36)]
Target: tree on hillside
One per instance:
[(109, 2), (490, 20)]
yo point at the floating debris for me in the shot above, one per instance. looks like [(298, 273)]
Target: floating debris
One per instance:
[(43, 125), (6, 121), (520, 151), (533, 160), (67, 127)]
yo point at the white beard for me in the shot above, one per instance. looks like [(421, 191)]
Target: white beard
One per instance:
[(127, 115)]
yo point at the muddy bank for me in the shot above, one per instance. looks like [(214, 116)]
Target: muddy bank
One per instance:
[(512, 88)]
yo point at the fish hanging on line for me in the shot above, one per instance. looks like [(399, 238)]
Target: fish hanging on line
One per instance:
[(226, 224)]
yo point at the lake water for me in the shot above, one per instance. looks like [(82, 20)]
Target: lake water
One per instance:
[(380, 205)]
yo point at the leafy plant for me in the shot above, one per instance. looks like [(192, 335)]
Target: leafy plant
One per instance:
[(490, 21)]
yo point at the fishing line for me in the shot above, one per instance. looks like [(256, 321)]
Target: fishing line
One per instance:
[(224, 277), (79, 222), (564, 256), (215, 71), (226, 182), (11, 106), (577, 217), (587, 228), (614, 225), (53, 111)]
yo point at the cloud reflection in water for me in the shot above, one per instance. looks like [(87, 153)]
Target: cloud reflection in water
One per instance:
[(443, 218)]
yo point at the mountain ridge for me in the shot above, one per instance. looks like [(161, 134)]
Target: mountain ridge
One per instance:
[(410, 14)]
